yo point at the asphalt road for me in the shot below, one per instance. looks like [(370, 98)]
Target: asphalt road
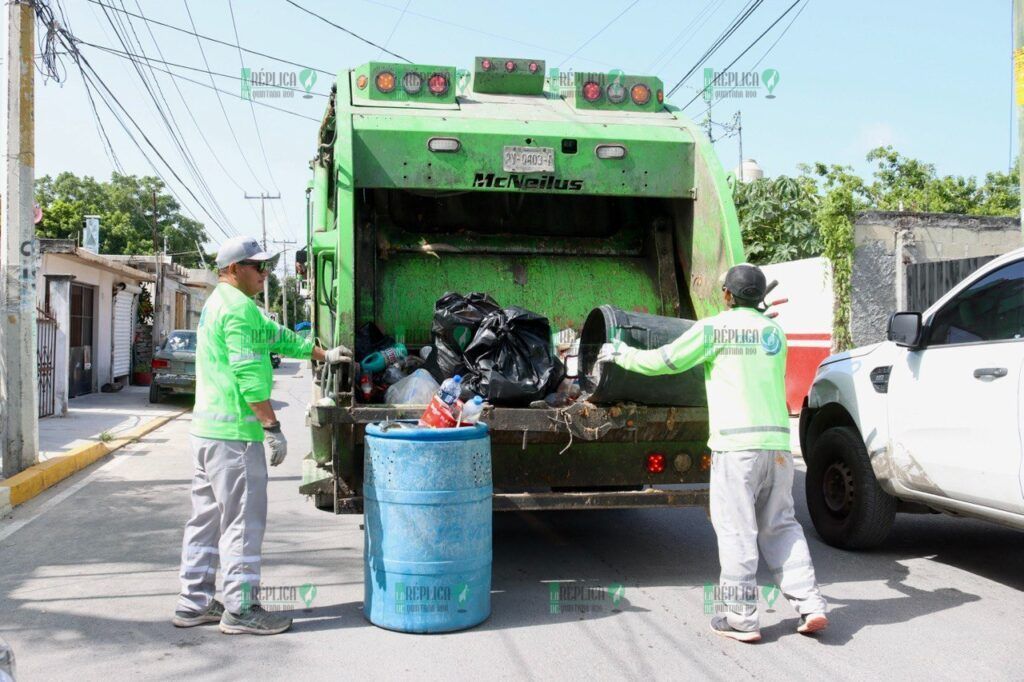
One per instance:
[(89, 579)]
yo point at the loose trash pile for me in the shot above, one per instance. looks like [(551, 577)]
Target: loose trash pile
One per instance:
[(480, 355)]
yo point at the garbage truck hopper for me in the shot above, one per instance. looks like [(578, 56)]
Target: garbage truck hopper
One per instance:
[(556, 196)]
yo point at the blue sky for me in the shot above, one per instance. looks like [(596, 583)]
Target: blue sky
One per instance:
[(931, 78)]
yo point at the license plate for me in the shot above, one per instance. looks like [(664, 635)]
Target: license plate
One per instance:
[(528, 160)]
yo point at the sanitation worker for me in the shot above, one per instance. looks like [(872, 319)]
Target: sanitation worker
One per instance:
[(232, 419), (744, 358)]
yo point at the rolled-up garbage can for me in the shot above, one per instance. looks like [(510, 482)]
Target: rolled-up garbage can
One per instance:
[(645, 332), (427, 519)]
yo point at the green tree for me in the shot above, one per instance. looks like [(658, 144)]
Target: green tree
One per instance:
[(777, 218), (125, 207)]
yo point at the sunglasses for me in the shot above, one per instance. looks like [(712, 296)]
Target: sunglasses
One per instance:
[(261, 265)]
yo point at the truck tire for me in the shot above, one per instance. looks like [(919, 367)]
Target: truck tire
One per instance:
[(848, 508), (154, 393)]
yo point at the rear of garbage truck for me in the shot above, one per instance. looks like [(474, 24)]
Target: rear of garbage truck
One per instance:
[(552, 193)]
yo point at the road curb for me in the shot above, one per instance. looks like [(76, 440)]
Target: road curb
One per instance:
[(24, 486)]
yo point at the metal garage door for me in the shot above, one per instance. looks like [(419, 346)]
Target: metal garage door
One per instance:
[(124, 313)]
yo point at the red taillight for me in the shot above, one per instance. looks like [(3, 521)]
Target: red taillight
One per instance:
[(510, 66), (534, 66), (705, 462), (656, 462), (485, 64), (591, 91), (160, 364), (438, 84), (661, 97), (361, 82), (640, 93)]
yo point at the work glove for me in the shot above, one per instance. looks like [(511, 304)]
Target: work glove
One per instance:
[(336, 355), (277, 444), (608, 352)]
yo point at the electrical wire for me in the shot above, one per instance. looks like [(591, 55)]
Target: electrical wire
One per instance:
[(395, 27), (167, 116), (212, 40), (687, 35), (259, 135), (351, 33), (751, 45), (472, 29), (591, 38), (738, 21)]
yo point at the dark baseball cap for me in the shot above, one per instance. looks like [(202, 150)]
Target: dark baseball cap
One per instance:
[(746, 282), (241, 248)]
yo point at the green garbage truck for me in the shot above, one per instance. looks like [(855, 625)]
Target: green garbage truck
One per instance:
[(556, 192)]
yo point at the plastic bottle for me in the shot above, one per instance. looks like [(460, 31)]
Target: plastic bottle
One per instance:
[(471, 411), (366, 387), (379, 361), (444, 405)]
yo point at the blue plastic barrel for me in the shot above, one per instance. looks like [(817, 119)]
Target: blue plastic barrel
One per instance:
[(427, 506)]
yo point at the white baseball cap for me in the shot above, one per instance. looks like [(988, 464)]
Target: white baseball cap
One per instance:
[(241, 248)]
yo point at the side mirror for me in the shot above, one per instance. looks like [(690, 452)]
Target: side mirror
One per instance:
[(905, 330)]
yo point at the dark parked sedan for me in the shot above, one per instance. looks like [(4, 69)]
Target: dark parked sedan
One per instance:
[(174, 366)]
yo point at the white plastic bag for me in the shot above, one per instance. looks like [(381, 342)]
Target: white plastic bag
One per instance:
[(416, 389)]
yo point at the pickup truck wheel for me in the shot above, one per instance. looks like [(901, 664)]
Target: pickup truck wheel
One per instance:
[(155, 395), (847, 506)]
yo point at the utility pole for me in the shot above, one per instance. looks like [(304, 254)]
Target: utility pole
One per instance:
[(284, 280), (19, 402), (263, 196), (158, 288), (739, 131), (1018, 81)]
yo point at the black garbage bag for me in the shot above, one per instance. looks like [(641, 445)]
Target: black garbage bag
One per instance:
[(456, 320), (370, 339), (510, 359)]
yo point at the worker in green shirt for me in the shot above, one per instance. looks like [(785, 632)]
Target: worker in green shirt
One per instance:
[(231, 420), (744, 358)]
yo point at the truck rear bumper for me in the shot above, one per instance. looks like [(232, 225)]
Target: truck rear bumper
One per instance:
[(583, 420), (688, 496)]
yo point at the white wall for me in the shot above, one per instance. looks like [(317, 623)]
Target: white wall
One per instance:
[(103, 282)]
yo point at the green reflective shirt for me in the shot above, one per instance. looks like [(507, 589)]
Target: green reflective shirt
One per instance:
[(744, 356), (233, 345)]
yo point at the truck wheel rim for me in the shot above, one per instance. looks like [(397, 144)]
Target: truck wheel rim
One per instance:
[(837, 487)]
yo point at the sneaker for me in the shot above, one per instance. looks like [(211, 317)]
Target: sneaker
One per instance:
[(190, 619), (720, 626), (254, 621), (811, 623)]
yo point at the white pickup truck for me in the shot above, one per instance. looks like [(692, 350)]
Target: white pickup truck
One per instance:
[(928, 421)]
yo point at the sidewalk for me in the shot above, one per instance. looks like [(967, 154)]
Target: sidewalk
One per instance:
[(95, 425), (92, 415)]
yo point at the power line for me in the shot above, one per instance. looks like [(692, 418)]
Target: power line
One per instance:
[(471, 29), (395, 27), (602, 30), (212, 40), (197, 69), (351, 33), (188, 110), (738, 21), (751, 45), (256, 125), (659, 62), (211, 87), (170, 123)]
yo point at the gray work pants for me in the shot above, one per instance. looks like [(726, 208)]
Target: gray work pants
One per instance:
[(751, 507), (229, 515)]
